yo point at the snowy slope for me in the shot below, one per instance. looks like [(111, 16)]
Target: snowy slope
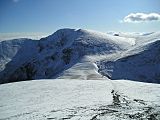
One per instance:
[(16, 51), (139, 64), (79, 100), (85, 69)]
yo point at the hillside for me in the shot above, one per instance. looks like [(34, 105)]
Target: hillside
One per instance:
[(139, 64)]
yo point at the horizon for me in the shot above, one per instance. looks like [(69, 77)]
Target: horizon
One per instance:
[(39, 35), (40, 16)]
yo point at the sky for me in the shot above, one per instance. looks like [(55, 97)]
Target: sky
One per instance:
[(101, 15)]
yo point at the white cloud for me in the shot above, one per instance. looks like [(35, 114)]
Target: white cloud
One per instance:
[(141, 17), (9, 36)]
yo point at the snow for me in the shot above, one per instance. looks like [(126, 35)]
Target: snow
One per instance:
[(84, 70), (47, 95), (75, 99)]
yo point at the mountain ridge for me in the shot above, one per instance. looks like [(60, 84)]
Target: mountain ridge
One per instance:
[(53, 55)]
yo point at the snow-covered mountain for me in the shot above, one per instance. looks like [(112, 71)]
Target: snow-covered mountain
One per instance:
[(49, 56), (69, 52)]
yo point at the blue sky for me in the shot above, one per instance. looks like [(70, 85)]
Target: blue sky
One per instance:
[(50, 15)]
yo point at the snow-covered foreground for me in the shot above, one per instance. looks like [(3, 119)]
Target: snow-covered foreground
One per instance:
[(61, 99)]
